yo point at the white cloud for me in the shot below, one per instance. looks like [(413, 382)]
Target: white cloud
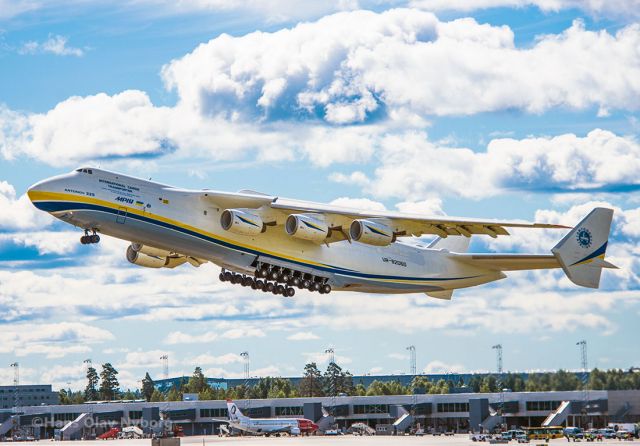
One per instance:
[(358, 203), (19, 213), (442, 367), (209, 359), (46, 242), (54, 340), (326, 70), (413, 166), (303, 336), (145, 359), (53, 45), (178, 337)]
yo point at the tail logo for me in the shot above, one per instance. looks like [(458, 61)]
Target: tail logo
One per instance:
[(233, 409), (584, 237)]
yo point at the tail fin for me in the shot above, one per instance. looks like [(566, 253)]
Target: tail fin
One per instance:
[(234, 411), (581, 252)]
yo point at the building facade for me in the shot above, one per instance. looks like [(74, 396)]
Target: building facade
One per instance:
[(447, 412), (27, 395)]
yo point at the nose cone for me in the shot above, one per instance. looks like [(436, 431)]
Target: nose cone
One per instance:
[(36, 192)]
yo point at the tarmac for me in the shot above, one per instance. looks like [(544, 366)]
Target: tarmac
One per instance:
[(342, 440)]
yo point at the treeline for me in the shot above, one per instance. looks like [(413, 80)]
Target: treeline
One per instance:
[(335, 381)]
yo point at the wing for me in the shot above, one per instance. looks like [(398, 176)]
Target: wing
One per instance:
[(275, 211), (404, 224)]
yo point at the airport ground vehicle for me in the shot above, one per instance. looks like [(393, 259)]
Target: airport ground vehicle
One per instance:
[(544, 432), (276, 245), (574, 432)]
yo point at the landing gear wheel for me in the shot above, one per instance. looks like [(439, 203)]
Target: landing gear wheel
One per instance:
[(289, 292), (273, 275), (306, 284), (228, 277), (326, 288), (247, 281), (295, 282), (222, 277), (259, 284), (84, 240), (315, 286), (279, 290), (95, 238), (269, 287)]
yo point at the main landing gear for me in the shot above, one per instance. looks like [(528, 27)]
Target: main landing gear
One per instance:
[(285, 280), (88, 239), (256, 284)]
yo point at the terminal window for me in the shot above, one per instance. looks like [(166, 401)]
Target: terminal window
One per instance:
[(543, 405), (453, 407), (370, 408), (292, 410), (213, 413)]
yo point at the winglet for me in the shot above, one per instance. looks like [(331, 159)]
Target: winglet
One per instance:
[(581, 252)]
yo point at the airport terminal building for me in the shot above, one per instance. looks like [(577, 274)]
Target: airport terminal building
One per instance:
[(444, 413)]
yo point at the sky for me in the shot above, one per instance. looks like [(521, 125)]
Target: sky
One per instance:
[(501, 109)]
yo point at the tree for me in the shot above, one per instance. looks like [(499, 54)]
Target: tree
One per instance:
[(91, 391), (109, 387), (332, 379), (311, 382), (197, 383), (147, 387), (174, 395), (157, 396), (206, 394)]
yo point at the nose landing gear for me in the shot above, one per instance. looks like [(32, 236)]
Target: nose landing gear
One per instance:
[(89, 239)]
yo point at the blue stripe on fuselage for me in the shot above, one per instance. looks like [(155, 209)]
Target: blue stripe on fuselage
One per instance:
[(59, 206)]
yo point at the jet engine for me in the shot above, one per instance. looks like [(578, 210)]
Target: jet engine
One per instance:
[(151, 257), (240, 221), (306, 227), (371, 232)]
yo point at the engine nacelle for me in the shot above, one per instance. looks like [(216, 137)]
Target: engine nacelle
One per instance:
[(371, 232), (136, 255), (150, 250), (240, 221), (140, 259), (306, 227)]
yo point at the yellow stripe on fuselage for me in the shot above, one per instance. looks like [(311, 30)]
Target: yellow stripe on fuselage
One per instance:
[(64, 197)]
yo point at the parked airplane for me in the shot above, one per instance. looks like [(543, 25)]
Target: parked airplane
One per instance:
[(268, 426), (276, 244)]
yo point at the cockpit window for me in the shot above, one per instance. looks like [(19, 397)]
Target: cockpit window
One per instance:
[(89, 171)]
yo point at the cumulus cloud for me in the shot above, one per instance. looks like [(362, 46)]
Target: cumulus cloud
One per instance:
[(19, 213), (53, 340), (56, 45), (209, 359), (326, 70), (442, 367), (600, 160)]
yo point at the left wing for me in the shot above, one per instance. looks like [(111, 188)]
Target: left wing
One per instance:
[(405, 224), (338, 220)]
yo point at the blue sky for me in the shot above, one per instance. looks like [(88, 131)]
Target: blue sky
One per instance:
[(522, 109)]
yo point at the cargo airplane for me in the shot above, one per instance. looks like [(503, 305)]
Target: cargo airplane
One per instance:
[(276, 244), (268, 426)]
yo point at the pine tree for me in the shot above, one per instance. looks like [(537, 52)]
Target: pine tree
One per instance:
[(91, 391), (109, 386), (311, 383), (147, 387), (197, 382)]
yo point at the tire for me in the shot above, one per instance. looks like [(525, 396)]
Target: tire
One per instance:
[(315, 286), (269, 287), (326, 288), (83, 239), (222, 278), (228, 277), (290, 292), (280, 290), (259, 284)]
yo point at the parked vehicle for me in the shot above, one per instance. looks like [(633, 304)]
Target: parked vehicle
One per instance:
[(574, 432)]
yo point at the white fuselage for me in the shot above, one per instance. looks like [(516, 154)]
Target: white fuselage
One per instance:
[(182, 221)]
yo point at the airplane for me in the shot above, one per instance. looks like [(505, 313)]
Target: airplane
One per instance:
[(276, 244), (268, 426)]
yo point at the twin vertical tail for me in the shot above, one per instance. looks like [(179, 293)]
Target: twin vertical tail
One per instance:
[(581, 252)]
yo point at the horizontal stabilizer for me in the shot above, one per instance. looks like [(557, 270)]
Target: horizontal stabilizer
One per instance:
[(509, 262)]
